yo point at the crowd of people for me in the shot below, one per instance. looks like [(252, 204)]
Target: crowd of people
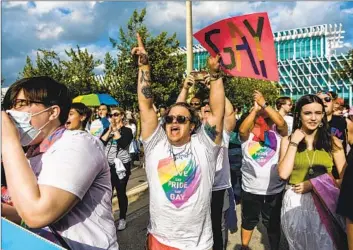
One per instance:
[(290, 165)]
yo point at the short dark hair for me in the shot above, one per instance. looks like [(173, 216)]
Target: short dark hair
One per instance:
[(41, 89), (282, 101), (82, 109), (195, 119)]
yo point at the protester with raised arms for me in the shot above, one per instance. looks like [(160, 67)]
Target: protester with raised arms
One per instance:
[(180, 163), (262, 188), (222, 177)]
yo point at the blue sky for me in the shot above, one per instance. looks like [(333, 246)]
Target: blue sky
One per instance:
[(60, 25)]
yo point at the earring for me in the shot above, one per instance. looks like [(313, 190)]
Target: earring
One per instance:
[(300, 123), (321, 124)]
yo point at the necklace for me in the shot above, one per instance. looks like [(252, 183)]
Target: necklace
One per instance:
[(311, 170), (175, 155)]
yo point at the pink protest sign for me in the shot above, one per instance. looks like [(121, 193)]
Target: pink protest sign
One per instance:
[(245, 44)]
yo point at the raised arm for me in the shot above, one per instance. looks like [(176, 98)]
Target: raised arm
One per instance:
[(248, 123), (229, 116), (214, 126), (188, 82), (149, 120), (275, 116)]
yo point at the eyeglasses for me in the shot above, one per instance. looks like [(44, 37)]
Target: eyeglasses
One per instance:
[(115, 115), (194, 103), (179, 118), (327, 99), (19, 103), (102, 109)]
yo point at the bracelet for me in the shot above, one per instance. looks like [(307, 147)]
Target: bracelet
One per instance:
[(293, 144), (215, 76)]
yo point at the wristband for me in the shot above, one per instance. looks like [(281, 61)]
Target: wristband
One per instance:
[(215, 76), (265, 105), (293, 144)]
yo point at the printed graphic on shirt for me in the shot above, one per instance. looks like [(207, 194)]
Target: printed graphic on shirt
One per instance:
[(336, 132), (262, 152), (96, 128), (179, 180)]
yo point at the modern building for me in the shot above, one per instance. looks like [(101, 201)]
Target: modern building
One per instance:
[(307, 61)]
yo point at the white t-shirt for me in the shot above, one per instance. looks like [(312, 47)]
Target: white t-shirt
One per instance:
[(222, 176), (259, 168), (76, 163), (289, 121), (180, 190)]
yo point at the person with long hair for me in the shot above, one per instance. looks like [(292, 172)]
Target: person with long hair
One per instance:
[(117, 139), (79, 115), (307, 156)]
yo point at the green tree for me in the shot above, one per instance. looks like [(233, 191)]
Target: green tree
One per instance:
[(240, 91), (79, 71), (347, 72), (166, 70)]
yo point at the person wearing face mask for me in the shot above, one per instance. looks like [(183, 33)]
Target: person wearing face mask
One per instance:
[(262, 188), (78, 117), (117, 139), (180, 162), (64, 175)]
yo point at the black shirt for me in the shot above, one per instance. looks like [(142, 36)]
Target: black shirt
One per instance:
[(338, 128), (345, 201)]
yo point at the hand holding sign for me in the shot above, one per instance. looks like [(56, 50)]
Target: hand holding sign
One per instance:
[(188, 82), (245, 44)]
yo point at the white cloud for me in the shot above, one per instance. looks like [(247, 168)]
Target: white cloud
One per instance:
[(348, 11), (348, 45), (8, 5), (48, 31)]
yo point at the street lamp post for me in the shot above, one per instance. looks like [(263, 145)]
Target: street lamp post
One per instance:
[(189, 55)]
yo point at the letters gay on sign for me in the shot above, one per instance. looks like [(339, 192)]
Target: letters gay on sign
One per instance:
[(245, 44)]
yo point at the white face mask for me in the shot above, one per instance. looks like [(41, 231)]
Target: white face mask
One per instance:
[(22, 120)]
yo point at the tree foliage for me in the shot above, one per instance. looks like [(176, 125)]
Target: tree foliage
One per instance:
[(76, 72), (166, 70), (347, 72)]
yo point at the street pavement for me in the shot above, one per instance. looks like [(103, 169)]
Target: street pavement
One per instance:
[(134, 236)]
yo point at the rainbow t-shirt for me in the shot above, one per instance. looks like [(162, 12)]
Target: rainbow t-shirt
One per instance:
[(180, 182), (259, 168)]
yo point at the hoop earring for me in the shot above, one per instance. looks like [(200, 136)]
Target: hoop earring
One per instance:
[(320, 125)]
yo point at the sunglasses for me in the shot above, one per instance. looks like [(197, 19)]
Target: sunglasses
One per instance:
[(194, 103), (204, 103), (115, 115), (179, 118), (327, 99)]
